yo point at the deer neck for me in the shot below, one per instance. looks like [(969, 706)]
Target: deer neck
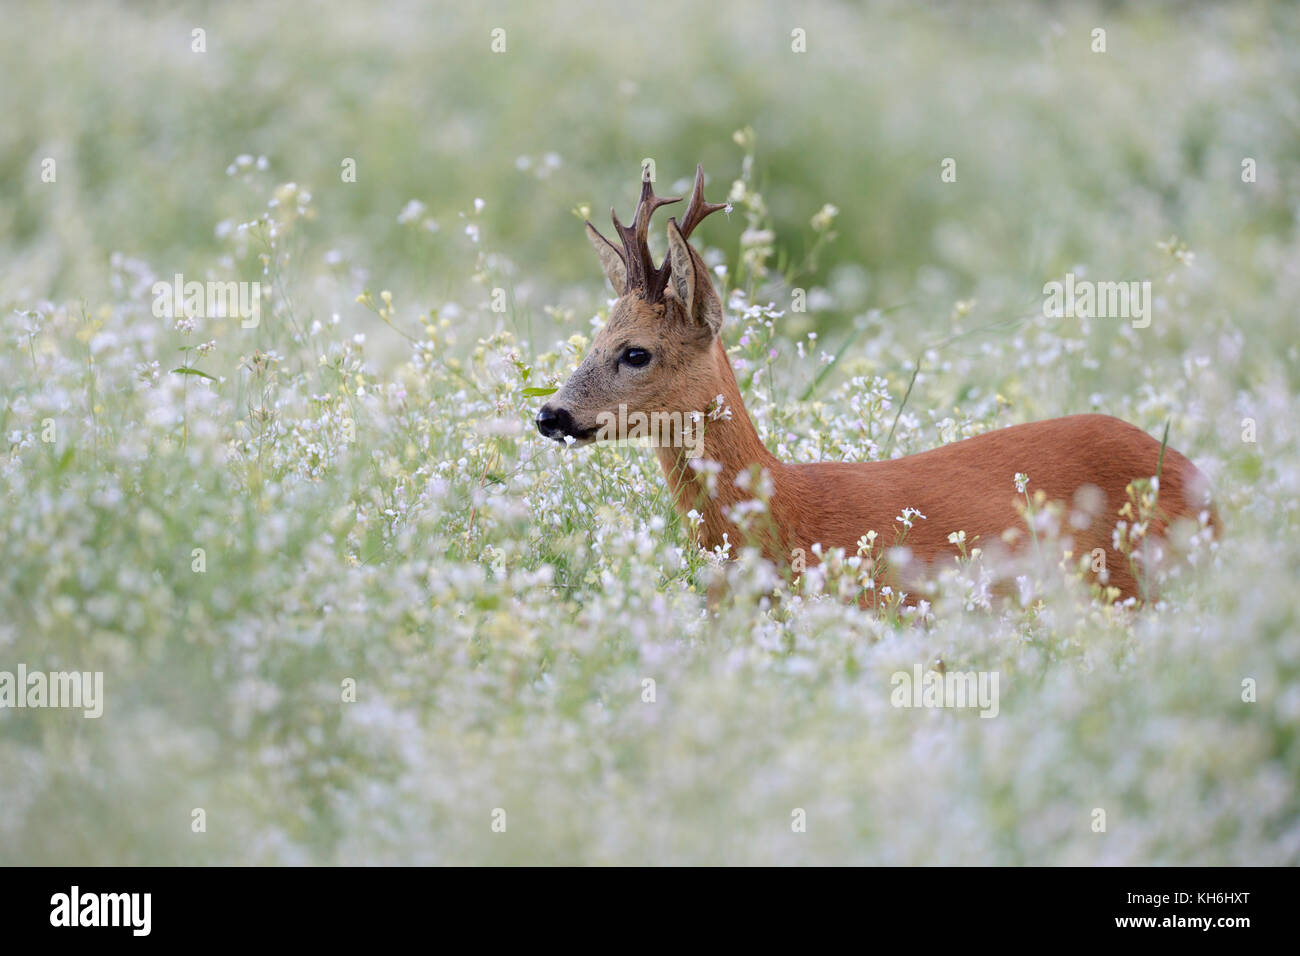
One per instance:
[(733, 447)]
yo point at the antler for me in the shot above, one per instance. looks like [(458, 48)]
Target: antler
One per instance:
[(698, 208), (642, 276), (641, 272)]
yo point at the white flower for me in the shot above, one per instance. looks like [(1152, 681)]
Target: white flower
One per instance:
[(824, 217), (905, 519), (413, 210)]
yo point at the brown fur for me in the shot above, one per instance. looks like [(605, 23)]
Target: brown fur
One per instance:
[(967, 485)]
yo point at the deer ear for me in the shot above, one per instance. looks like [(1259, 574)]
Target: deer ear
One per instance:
[(611, 260), (691, 282)]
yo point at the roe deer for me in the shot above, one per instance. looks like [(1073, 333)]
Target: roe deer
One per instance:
[(660, 354)]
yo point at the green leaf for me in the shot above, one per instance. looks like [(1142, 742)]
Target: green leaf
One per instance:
[(186, 370), (538, 392)]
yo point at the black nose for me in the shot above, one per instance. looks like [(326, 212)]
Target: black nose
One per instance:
[(554, 422)]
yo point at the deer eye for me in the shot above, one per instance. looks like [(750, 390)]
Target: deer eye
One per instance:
[(636, 357)]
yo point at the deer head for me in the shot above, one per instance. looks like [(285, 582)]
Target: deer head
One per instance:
[(655, 354)]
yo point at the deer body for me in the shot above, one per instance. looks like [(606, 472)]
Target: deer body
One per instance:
[(660, 351)]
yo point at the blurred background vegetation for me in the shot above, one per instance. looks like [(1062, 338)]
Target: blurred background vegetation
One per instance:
[(378, 508), (1064, 155)]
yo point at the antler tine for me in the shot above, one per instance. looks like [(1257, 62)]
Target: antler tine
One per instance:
[(648, 203), (698, 208), (636, 248)]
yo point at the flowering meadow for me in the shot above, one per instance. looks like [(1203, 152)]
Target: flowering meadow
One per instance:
[(350, 607)]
